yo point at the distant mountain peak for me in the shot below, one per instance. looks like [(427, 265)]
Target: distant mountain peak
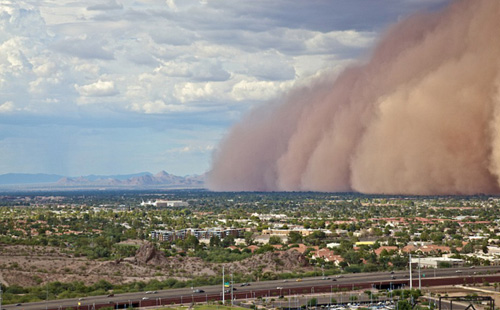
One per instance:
[(162, 174), (161, 179)]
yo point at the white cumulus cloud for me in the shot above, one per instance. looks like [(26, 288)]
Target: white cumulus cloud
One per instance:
[(7, 107), (97, 89)]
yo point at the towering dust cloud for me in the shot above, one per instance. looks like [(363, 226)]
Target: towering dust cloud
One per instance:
[(422, 116)]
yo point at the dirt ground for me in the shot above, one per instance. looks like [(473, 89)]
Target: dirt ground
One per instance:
[(35, 265)]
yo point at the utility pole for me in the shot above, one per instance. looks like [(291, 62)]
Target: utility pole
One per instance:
[(411, 280), (331, 297), (0, 295), (223, 285), (419, 278), (231, 287)]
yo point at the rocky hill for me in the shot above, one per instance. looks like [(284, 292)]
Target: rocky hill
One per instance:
[(50, 264)]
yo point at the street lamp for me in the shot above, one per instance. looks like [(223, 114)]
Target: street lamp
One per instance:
[(419, 277), (231, 286)]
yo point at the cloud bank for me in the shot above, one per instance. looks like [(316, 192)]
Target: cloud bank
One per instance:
[(117, 86), (421, 116)]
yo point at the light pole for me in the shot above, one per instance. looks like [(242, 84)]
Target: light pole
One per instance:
[(222, 284), (411, 280), (231, 287), (331, 296), (419, 278)]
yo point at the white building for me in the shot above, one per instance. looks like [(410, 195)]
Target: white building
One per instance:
[(165, 203), (333, 245), (434, 262)]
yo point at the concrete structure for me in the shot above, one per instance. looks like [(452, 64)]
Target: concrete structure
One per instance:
[(165, 203), (360, 243), (172, 235), (332, 245), (493, 256), (276, 232), (435, 262), (285, 232)]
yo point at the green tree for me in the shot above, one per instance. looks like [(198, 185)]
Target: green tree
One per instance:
[(249, 237), (294, 237), (191, 242), (228, 241), (468, 248), (215, 241), (352, 257), (312, 302), (274, 240), (316, 238)]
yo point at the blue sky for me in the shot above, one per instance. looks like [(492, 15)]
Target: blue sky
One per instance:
[(124, 86)]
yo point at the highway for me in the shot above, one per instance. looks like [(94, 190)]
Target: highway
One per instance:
[(429, 277)]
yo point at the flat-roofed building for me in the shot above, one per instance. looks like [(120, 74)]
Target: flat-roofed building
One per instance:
[(435, 262)]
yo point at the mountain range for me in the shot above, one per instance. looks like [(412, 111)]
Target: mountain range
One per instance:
[(138, 180)]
